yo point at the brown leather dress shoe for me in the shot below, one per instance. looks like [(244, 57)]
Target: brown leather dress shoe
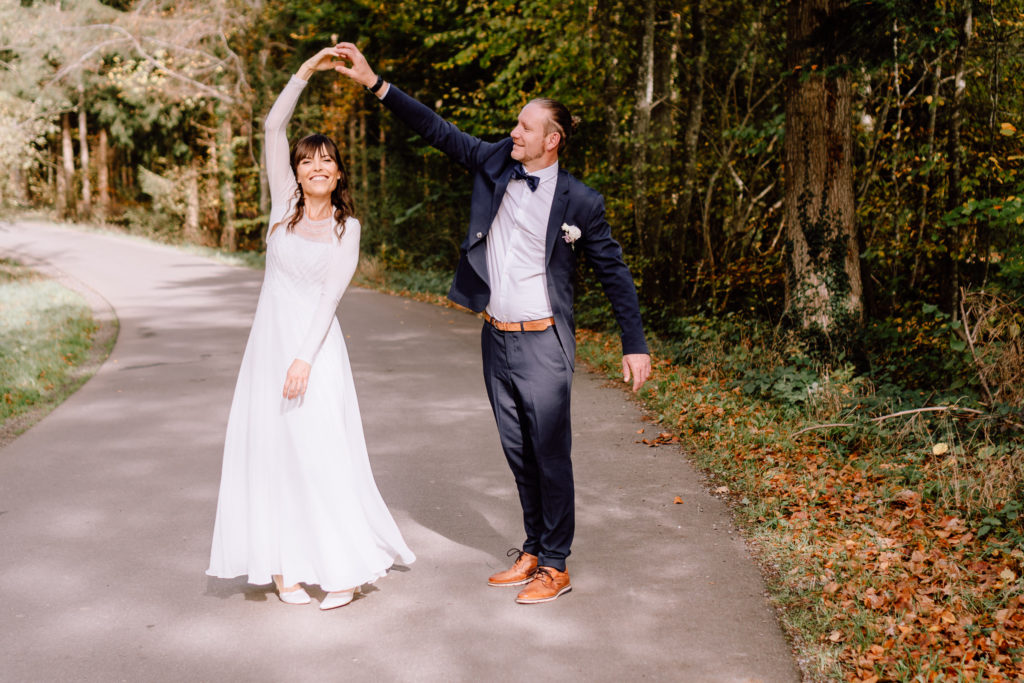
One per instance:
[(548, 583), (521, 571)]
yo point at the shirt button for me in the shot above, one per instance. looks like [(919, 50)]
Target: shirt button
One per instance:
[(479, 235)]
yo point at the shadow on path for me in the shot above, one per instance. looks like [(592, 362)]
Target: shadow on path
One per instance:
[(108, 504)]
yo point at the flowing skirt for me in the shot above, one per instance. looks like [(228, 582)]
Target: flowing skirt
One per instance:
[(297, 495)]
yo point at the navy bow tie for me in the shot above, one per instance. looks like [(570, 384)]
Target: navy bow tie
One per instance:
[(519, 174)]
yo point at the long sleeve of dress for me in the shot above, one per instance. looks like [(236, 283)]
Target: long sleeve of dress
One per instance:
[(341, 267), (275, 144)]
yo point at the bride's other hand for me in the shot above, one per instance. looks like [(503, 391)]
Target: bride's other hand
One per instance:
[(360, 71), (297, 380), (324, 60)]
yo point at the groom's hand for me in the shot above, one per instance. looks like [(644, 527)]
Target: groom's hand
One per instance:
[(638, 367), (360, 71)]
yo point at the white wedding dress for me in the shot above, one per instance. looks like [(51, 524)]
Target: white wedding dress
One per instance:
[(297, 496)]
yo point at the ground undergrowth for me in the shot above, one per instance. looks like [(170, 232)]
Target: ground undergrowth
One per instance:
[(887, 525)]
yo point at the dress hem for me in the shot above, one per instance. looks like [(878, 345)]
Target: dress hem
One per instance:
[(312, 581)]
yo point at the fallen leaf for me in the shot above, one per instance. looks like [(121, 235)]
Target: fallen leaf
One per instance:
[(873, 599)]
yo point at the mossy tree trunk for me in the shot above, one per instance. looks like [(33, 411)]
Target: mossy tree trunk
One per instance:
[(66, 173), (823, 282), (103, 173), (83, 154), (191, 228), (226, 168)]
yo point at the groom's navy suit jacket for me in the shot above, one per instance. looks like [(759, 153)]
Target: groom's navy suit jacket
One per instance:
[(574, 204)]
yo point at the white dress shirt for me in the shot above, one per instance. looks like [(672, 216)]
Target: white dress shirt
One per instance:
[(516, 249)]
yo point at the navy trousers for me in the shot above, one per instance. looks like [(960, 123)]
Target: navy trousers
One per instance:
[(529, 382)]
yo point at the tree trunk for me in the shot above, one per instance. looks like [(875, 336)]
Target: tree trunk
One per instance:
[(364, 176), (823, 293), (353, 160), (383, 180), (950, 259), (191, 227), (226, 167), (103, 174), (83, 151), (926, 179), (641, 133), (66, 177), (691, 133)]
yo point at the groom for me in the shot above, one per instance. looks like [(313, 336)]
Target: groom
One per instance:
[(528, 219)]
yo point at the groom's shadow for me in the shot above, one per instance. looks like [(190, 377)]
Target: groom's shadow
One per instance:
[(429, 429)]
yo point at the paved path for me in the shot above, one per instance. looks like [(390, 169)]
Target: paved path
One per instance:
[(107, 505)]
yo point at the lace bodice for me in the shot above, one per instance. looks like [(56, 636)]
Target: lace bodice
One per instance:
[(311, 257), (315, 231)]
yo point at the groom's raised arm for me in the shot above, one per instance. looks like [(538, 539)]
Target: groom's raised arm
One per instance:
[(466, 149)]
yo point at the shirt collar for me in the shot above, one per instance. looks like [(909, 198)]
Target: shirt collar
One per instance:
[(546, 173)]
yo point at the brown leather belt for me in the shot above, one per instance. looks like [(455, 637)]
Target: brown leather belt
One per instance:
[(526, 326)]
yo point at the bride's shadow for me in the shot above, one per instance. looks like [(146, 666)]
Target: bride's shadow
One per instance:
[(227, 588)]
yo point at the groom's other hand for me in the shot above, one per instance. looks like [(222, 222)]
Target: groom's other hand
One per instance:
[(638, 367), (360, 71)]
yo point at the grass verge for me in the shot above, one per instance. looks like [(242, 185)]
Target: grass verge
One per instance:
[(50, 344)]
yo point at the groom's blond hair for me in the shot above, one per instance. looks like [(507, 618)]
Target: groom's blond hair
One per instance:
[(559, 120)]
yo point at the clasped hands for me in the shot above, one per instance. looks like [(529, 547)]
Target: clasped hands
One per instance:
[(345, 58)]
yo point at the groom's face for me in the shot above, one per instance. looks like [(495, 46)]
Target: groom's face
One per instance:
[(529, 137)]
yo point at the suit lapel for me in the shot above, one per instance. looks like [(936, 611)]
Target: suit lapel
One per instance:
[(477, 254), (499, 192), (559, 205)]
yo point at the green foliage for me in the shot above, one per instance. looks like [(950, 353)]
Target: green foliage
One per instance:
[(937, 171)]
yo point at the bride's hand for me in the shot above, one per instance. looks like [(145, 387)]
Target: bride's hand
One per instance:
[(323, 60), (297, 380)]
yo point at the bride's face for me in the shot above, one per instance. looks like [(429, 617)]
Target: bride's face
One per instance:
[(318, 174)]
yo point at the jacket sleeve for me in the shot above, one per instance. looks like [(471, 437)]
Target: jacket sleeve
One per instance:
[(605, 256), (342, 266), (467, 150)]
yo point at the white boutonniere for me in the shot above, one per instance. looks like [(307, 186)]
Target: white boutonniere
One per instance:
[(570, 233)]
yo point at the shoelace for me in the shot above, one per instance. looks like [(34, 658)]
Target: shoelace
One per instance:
[(543, 574)]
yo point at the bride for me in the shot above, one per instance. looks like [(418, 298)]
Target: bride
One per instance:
[(298, 503)]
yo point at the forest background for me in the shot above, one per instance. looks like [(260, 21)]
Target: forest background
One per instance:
[(820, 201)]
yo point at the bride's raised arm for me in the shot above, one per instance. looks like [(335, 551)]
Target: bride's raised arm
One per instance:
[(279, 170)]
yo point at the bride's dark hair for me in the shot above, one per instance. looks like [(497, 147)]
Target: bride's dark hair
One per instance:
[(341, 198)]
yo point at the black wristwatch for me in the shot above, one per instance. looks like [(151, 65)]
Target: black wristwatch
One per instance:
[(376, 86)]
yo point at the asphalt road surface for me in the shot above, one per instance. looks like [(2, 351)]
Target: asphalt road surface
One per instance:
[(107, 507)]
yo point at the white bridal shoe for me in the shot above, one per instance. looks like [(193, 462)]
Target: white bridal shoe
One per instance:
[(296, 596), (338, 599)]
